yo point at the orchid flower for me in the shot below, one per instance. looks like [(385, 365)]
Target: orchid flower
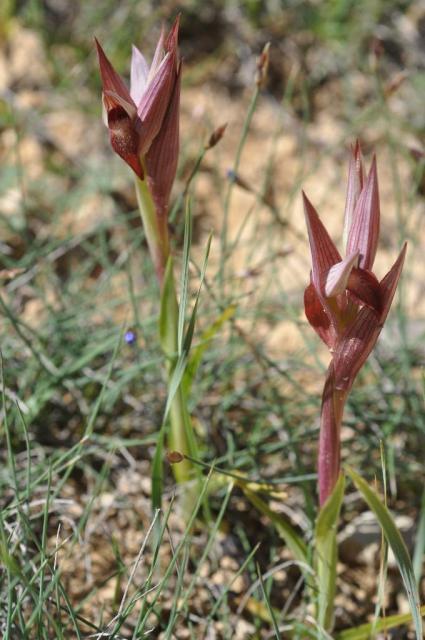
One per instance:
[(346, 304), (143, 125), (143, 122)]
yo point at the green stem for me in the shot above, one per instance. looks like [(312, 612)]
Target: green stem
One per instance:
[(180, 436), (179, 439), (156, 229)]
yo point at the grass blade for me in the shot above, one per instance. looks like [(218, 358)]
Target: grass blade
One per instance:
[(326, 554), (397, 545), (268, 604), (199, 349), (184, 277), (418, 553), (364, 631), (286, 531)]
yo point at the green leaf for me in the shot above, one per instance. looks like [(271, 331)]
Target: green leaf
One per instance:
[(157, 472), (185, 276), (191, 327), (363, 632), (396, 543), (168, 314), (179, 425), (418, 554), (199, 350), (326, 554), (286, 531)]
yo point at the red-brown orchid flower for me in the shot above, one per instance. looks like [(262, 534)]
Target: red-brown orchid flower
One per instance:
[(346, 304), (143, 122)]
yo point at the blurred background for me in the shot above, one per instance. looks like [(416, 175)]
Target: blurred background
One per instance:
[(75, 268)]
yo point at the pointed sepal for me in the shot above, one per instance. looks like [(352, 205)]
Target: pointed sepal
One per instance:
[(162, 157), (354, 187), (111, 80), (120, 114), (388, 284), (324, 253), (364, 230)]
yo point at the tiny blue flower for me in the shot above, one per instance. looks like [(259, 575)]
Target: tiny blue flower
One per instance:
[(130, 337)]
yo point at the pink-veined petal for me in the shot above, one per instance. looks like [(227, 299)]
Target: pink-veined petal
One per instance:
[(364, 231), (138, 75), (337, 276), (361, 336), (354, 187), (160, 84), (158, 55), (162, 157), (155, 102)]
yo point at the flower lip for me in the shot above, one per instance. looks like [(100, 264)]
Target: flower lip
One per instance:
[(365, 289), (318, 317), (111, 100)]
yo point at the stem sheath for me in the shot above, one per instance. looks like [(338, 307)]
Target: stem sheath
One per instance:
[(329, 463)]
